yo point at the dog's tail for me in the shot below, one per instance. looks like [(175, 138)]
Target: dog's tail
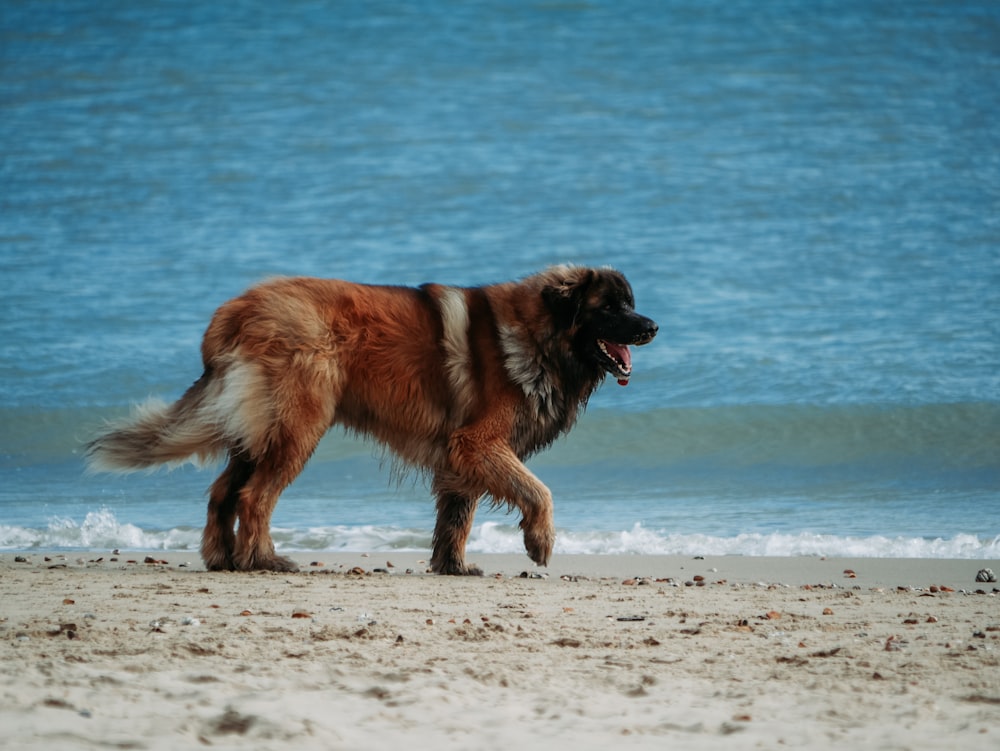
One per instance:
[(159, 433)]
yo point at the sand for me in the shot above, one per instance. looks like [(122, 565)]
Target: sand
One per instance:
[(108, 651)]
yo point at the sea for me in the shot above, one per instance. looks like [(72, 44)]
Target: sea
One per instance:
[(805, 196)]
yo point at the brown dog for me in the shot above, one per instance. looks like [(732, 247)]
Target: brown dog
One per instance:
[(462, 382)]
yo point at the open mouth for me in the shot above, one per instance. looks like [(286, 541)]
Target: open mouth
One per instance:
[(617, 359)]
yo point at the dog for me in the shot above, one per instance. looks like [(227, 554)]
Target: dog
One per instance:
[(462, 383)]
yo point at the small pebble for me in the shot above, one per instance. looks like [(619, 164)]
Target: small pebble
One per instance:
[(894, 644)]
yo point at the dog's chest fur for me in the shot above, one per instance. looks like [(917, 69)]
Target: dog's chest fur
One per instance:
[(551, 403), (489, 334)]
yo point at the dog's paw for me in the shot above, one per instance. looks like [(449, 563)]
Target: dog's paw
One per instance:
[(217, 560), (280, 563), (276, 563), (539, 541), (455, 568)]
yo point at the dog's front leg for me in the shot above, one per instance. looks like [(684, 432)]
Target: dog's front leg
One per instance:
[(538, 526), (489, 462), (455, 513)]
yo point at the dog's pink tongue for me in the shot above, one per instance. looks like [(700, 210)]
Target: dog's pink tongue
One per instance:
[(621, 353)]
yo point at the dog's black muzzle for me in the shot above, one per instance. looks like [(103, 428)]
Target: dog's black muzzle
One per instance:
[(645, 329)]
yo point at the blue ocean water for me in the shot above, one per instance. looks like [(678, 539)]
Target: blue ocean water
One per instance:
[(806, 197)]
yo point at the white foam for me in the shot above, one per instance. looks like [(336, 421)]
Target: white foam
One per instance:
[(492, 537), (101, 531)]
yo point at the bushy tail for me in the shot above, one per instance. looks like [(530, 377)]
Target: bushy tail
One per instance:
[(159, 433)]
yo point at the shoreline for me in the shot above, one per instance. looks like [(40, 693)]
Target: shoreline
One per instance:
[(956, 573), (592, 651)]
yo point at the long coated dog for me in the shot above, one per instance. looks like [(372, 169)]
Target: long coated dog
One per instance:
[(464, 383)]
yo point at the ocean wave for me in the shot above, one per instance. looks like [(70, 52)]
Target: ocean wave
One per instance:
[(955, 436), (921, 437), (101, 530), (640, 540)]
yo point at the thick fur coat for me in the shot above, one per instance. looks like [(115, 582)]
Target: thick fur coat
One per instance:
[(464, 383)]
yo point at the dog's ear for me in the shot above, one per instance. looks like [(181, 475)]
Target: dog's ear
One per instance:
[(565, 293)]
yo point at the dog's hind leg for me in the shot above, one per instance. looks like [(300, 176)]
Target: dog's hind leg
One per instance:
[(218, 541), (455, 512), (285, 404), (254, 548), (284, 459)]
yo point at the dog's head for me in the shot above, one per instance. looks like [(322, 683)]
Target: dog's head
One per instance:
[(597, 309)]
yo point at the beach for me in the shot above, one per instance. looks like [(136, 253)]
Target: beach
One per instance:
[(368, 651), (769, 539)]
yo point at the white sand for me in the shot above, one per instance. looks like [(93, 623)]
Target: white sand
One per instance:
[(767, 653)]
